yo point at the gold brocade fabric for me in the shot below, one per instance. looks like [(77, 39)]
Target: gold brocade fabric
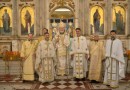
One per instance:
[(96, 57), (61, 46), (27, 51)]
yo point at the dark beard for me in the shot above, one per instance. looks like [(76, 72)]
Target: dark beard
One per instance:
[(113, 38)]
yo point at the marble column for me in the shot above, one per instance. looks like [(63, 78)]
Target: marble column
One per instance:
[(109, 16), (14, 21), (37, 15)]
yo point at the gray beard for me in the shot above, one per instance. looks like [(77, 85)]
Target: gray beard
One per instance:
[(62, 33)]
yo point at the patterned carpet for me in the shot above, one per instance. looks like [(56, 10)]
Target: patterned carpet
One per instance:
[(15, 86), (100, 86), (124, 84), (10, 78)]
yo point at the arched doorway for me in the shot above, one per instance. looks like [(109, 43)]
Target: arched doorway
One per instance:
[(62, 11)]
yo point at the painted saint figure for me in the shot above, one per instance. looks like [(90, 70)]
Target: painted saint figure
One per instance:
[(96, 21), (6, 21), (119, 21), (27, 20)]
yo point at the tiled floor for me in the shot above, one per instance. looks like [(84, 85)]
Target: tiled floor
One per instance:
[(65, 84)]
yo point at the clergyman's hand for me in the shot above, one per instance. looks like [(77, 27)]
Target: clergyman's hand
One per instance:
[(34, 55), (23, 58)]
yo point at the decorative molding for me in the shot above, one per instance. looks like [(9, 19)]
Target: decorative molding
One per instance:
[(97, 4), (124, 5), (21, 5), (62, 3), (119, 0), (97, 0), (26, 5), (9, 5), (26, 0), (103, 4), (5, 0), (5, 5)]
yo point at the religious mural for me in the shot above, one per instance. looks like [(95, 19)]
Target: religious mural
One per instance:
[(27, 20), (119, 19), (97, 20), (5, 21)]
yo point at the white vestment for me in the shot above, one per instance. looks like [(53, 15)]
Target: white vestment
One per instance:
[(114, 63), (79, 49), (45, 61), (62, 53)]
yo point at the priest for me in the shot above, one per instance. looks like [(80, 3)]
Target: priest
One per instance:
[(114, 70), (79, 54), (45, 60)]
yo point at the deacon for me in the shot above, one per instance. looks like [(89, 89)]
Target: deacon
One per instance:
[(114, 70), (28, 57), (97, 54), (79, 54), (45, 60)]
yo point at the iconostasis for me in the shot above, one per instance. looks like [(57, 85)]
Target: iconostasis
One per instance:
[(20, 17)]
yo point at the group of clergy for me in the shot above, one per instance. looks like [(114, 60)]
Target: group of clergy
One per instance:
[(51, 58)]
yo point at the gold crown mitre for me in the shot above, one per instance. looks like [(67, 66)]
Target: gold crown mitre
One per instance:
[(61, 24)]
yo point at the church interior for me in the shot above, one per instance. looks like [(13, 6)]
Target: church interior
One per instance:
[(18, 18)]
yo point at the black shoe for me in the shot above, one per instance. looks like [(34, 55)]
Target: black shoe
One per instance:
[(97, 82), (92, 81), (83, 79), (36, 79), (24, 81), (36, 76), (76, 79), (108, 85), (65, 75)]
